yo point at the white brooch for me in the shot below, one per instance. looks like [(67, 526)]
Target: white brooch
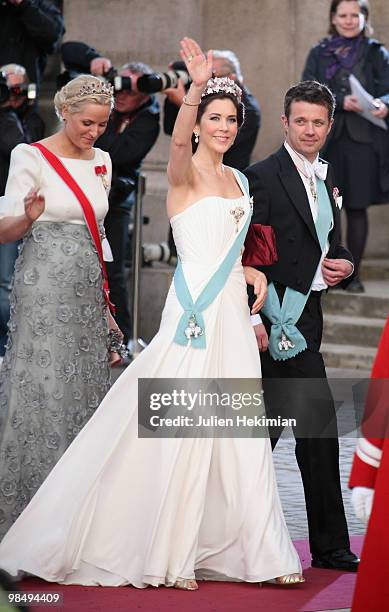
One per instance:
[(337, 197), (285, 343), (251, 203), (237, 213)]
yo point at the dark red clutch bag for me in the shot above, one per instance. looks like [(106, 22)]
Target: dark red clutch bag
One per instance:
[(260, 246)]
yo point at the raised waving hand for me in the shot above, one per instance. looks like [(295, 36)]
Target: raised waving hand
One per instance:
[(198, 65)]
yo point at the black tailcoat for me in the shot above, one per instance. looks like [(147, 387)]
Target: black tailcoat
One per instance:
[(291, 386)]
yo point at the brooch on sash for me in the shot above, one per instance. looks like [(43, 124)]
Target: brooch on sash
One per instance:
[(285, 343), (193, 330)]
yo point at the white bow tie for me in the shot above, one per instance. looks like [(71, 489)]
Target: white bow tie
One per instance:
[(309, 169), (318, 168)]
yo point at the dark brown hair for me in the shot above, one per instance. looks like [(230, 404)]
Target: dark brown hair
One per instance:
[(312, 92), (365, 10), (221, 96)]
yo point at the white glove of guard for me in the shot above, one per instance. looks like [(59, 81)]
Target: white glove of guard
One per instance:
[(362, 501)]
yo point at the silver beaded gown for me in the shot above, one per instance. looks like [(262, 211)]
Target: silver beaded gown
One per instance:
[(55, 371)]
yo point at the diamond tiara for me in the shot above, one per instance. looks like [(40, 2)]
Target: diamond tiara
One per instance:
[(97, 87), (222, 85)]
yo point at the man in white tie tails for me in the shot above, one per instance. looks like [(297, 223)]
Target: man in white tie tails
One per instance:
[(294, 193)]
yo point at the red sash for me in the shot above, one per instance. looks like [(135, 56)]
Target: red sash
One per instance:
[(87, 209)]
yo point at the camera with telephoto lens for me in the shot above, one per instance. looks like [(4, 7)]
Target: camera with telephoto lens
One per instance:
[(159, 81), (29, 91), (149, 83), (119, 82)]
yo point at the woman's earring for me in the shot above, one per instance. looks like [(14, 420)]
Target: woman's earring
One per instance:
[(196, 135)]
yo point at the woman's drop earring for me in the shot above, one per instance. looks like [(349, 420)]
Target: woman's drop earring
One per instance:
[(196, 139)]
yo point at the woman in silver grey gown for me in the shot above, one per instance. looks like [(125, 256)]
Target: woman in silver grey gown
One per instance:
[(56, 368)]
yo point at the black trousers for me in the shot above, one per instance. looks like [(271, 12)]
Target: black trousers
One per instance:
[(298, 388), (116, 227)]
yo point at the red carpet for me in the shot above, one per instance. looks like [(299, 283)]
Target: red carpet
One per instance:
[(323, 590)]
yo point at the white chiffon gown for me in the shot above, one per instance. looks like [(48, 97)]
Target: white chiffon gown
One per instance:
[(119, 510)]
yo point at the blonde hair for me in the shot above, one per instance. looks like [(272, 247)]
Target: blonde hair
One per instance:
[(84, 89)]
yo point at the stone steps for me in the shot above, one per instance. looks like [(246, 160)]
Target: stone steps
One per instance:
[(345, 356), (353, 331), (362, 305), (353, 323), (375, 269)]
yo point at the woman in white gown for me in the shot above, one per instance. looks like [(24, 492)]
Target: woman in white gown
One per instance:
[(118, 509)]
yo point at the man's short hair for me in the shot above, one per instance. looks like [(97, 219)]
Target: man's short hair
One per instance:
[(137, 68), (232, 60), (312, 92)]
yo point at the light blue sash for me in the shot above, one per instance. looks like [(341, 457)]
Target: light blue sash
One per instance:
[(191, 327), (286, 340)]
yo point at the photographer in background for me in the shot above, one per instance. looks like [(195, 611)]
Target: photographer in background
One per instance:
[(132, 131), (29, 31), (19, 122)]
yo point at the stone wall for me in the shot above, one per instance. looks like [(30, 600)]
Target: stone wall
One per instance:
[(271, 38)]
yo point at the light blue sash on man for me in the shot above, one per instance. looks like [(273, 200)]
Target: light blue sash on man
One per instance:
[(191, 327), (286, 340)]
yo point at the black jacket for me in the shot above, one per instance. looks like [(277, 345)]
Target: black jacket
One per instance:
[(77, 56), (280, 200), (375, 61), (372, 70), (129, 148), (15, 129), (238, 156), (28, 33)]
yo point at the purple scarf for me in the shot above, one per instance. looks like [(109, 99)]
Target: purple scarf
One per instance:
[(343, 52)]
